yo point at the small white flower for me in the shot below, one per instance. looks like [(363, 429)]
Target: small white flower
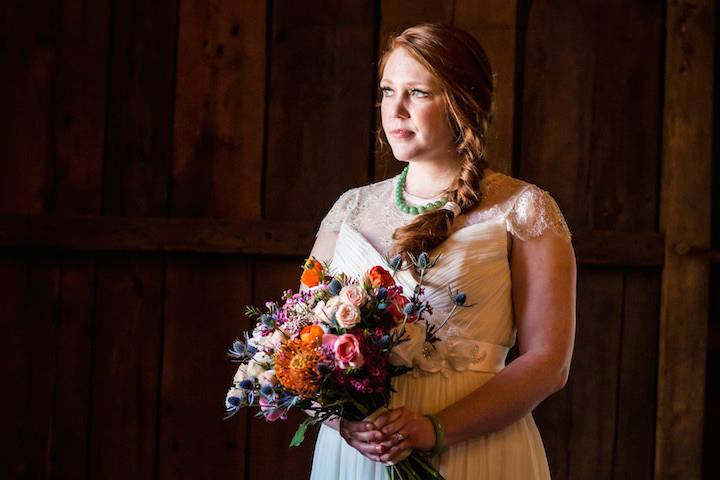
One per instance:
[(254, 369), (241, 374), (262, 357), (347, 315), (267, 378), (354, 295)]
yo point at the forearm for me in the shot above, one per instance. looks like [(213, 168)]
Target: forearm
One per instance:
[(507, 397)]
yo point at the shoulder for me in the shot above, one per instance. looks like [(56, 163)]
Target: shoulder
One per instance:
[(351, 202), (353, 196), (531, 211)]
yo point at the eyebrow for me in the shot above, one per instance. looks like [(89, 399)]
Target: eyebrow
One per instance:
[(409, 84)]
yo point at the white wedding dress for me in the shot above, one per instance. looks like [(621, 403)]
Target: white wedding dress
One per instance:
[(475, 260)]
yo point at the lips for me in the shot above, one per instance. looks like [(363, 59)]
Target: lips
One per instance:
[(401, 133)]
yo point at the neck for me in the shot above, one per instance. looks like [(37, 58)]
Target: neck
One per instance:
[(428, 180)]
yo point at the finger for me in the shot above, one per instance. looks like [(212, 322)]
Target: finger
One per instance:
[(388, 417), (394, 427), (396, 450), (374, 436), (358, 426), (366, 449)]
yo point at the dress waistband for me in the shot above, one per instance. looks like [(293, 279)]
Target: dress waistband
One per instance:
[(454, 353)]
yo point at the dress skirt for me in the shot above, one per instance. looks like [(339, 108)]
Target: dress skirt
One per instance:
[(514, 453)]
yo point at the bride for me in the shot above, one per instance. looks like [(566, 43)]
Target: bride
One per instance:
[(503, 241)]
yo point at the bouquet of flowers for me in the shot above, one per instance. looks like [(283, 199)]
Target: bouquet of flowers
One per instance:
[(332, 350)]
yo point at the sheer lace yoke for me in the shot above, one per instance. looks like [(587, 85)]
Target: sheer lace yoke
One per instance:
[(527, 210)]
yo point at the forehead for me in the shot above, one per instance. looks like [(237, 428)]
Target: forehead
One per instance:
[(401, 67)]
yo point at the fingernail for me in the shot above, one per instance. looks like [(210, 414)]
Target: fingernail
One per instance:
[(368, 426)]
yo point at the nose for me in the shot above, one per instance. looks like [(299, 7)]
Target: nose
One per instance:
[(398, 109)]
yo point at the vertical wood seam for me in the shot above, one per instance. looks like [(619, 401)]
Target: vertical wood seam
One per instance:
[(266, 105), (619, 377), (522, 22), (104, 171), (91, 368)]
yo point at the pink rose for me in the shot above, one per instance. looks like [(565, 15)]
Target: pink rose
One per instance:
[(347, 351), (347, 315), (354, 295), (270, 410)]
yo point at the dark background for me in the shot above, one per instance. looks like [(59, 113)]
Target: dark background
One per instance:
[(163, 164)]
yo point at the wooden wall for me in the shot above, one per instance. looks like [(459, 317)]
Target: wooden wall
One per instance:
[(164, 164)]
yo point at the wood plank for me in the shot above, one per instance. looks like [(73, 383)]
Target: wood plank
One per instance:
[(635, 434), (220, 108), (140, 108), (205, 305), (127, 360), (217, 172), (272, 277), (126, 366), (557, 99), (13, 343), (626, 85), (493, 24), (265, 237), (70, 383), (79, 110), (29, 363), (396, 16), (30, 43), (594, 378), (685, 214), (320, 106), (79, 137), (153, 234)]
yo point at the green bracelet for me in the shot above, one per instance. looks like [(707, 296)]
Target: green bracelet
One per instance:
[(439, 435)]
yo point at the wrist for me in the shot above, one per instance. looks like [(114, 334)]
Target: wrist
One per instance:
[(439, 435)]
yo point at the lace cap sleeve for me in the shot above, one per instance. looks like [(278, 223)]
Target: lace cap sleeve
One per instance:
[(534, 212), (339, 211)]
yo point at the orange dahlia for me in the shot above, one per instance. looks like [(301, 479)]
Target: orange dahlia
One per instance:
[(296, 365)]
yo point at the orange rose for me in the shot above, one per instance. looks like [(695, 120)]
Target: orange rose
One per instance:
[(379, 277), (312, 272), (312, 334)]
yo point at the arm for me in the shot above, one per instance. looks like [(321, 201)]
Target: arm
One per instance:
[(543, 284)]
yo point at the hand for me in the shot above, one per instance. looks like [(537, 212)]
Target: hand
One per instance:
[(364, 437), (404, 429)]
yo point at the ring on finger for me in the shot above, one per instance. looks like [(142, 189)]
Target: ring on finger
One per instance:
[(399, 437)]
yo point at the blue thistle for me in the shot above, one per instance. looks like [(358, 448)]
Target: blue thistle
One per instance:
[(382, 293), (335, 287), (423, 260), (396, 262)]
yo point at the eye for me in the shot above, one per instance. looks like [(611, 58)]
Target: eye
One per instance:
[(415, 92), (386, 91)]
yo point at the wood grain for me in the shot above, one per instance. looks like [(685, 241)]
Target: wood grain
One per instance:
[(205, 299), (685, 214), (320, 106)]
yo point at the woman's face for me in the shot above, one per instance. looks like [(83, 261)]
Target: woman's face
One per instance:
[(413, 111)]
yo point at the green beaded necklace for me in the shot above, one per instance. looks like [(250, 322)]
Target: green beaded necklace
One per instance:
[(400, 198)]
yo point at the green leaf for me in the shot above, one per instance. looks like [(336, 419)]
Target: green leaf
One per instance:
[(300, 433)]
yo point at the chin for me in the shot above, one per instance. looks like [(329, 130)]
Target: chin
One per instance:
[(404, 154)]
